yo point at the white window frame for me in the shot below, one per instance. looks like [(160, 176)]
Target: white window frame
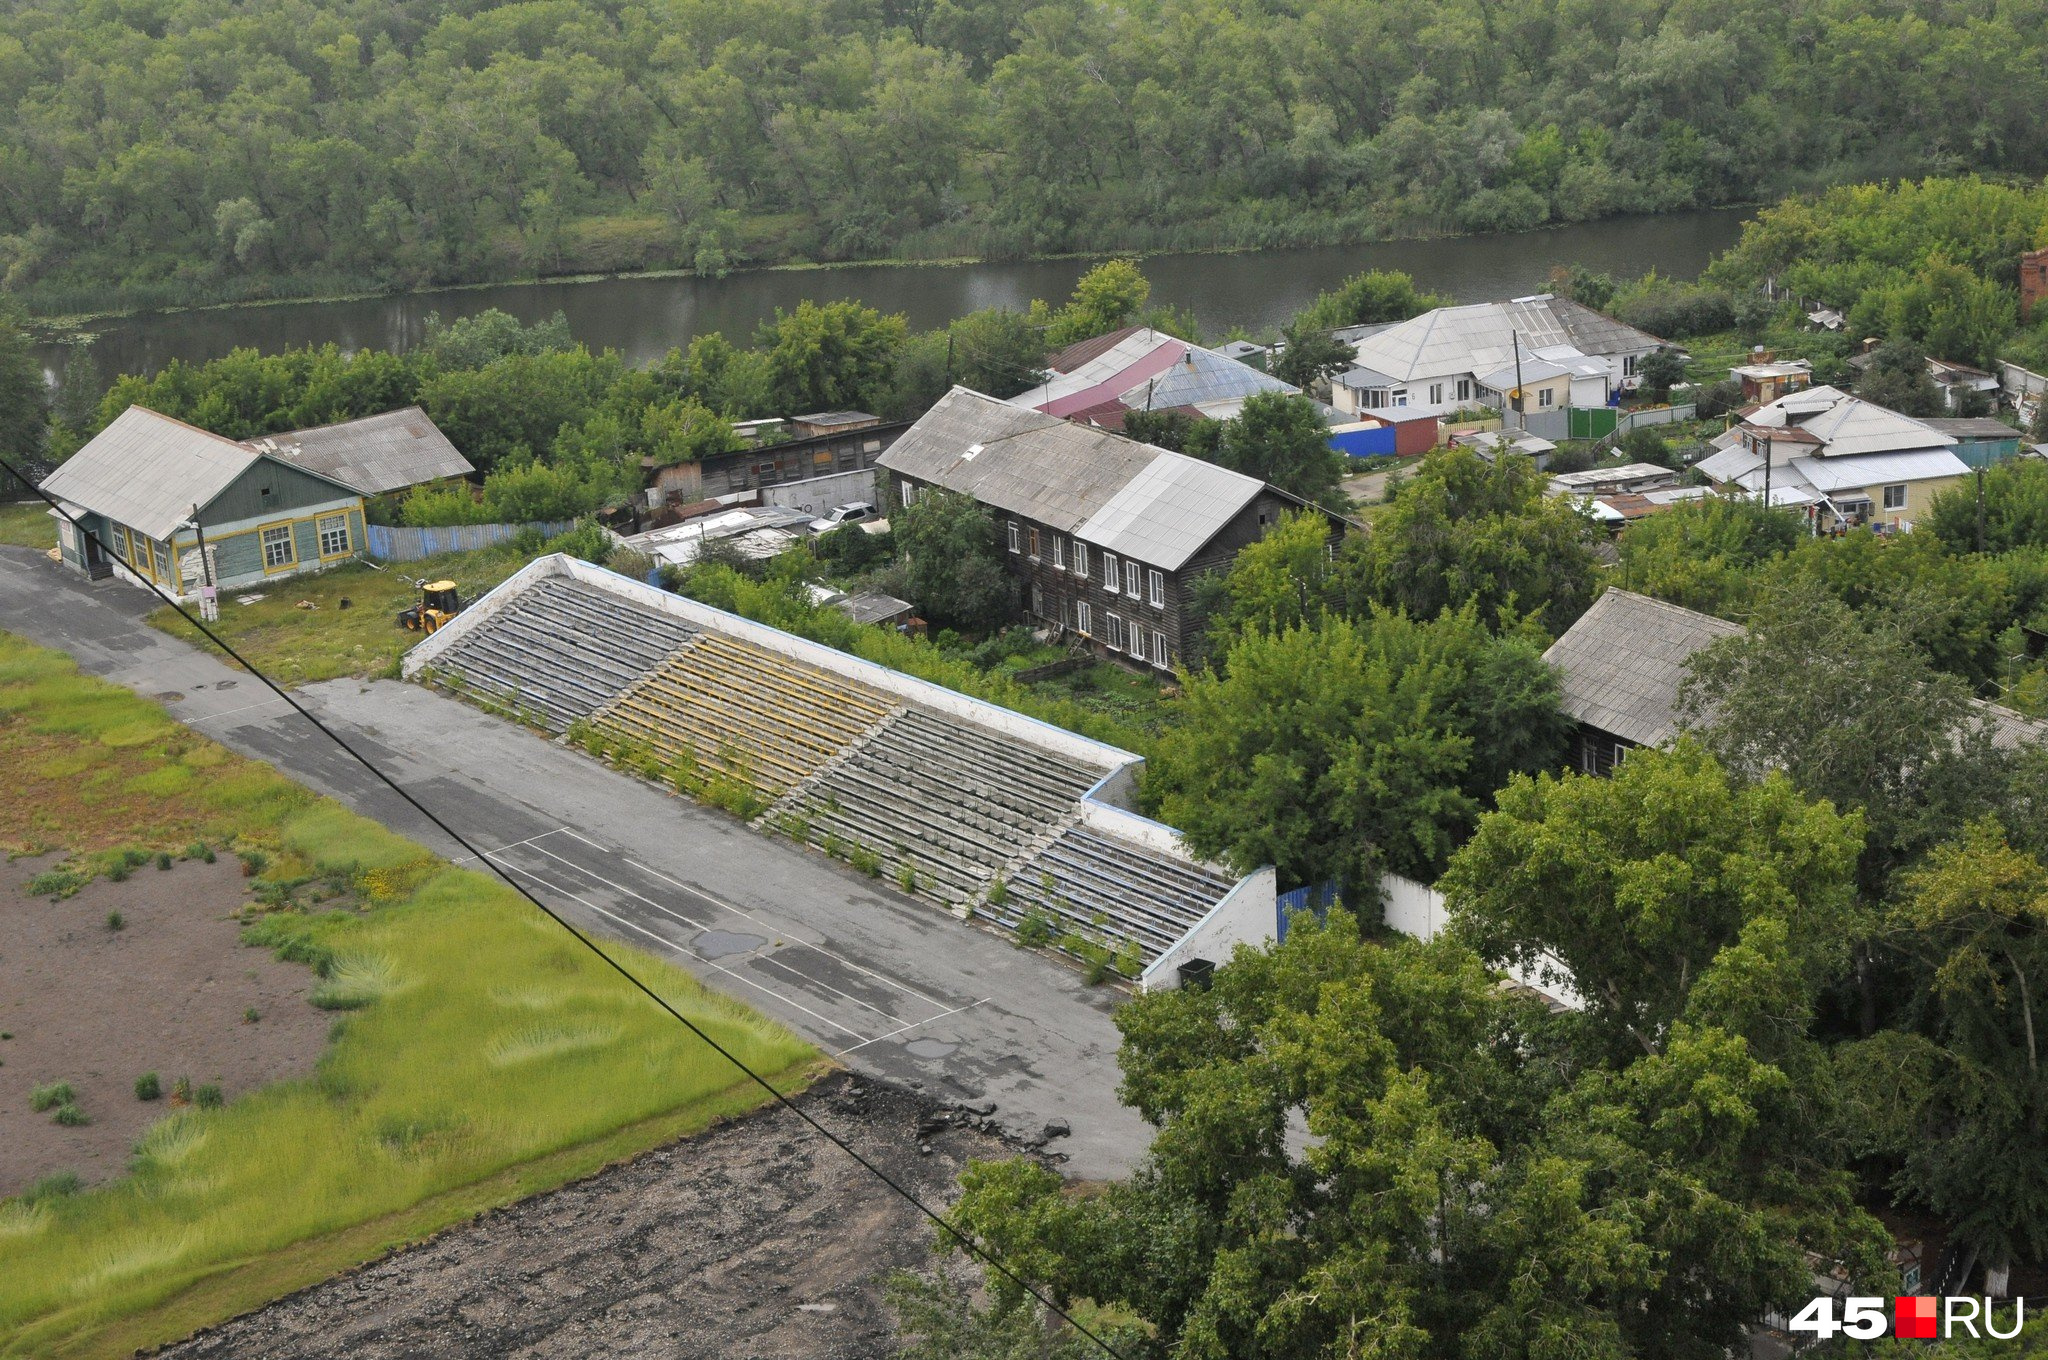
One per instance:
[(1134, 580), (1084, 618), (1159, 656), (1464, 389), (289, 543), (1400, 396), (1031, 543), (1135, 638), (1156, 579), (1112, 578), (1059, 553), (1900, 503), (328, 526), (1436, 394), (1080, 558), (1544, 396), (1113, 630), (907, 491), (1628, 365), (1016, 538)]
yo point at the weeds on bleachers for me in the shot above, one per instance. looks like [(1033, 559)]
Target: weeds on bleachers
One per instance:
[(865, 860)]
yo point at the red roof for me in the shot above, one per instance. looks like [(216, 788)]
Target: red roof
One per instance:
[(1081, 351)]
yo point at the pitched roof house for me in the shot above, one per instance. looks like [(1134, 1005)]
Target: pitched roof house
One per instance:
[(1452, 356), (1107, 534), (1622, 665), (1847, 460), (1101, 379), (145, 489), (376, 454)]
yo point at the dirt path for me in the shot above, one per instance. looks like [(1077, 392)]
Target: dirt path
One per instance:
[(755, 1239), (169, 992)]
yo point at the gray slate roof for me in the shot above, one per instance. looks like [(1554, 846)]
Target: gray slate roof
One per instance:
[(376, 454), (147, 471), (1620, 666), (1130, 498)]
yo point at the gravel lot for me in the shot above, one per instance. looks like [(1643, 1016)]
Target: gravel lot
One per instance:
[(754, 1239)]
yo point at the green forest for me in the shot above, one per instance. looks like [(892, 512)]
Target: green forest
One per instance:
[(172, 151)]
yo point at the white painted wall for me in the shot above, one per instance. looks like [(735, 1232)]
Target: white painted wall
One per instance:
[(1244, 916), (1417, 909)]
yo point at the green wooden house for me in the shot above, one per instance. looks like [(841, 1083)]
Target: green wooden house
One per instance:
[(147, 490)]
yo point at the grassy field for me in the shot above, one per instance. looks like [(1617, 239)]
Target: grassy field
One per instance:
[(480, 1055), (27, 525), (302, 646)]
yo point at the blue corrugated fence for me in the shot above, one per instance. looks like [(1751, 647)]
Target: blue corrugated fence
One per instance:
[(1316, 898), (402, 543)]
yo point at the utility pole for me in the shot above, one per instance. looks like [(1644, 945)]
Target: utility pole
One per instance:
[(205, 563), (1767, 472), (1980, 507), (949, 356), (1520, 397)]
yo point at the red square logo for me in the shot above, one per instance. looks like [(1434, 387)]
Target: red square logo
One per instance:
[(1913, 1318)]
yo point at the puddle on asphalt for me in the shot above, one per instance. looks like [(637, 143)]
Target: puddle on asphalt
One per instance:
[(928, 1048), (718, 944)]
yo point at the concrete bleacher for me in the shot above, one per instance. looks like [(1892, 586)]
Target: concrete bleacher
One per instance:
[(1107, 886), (953, 800), (733, 709), (565, 651), (949, 793)]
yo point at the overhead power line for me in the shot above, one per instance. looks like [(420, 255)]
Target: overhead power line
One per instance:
[(965, 1240)]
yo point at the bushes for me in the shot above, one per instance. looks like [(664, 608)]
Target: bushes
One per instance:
[(147, 1087), (46, 1098)]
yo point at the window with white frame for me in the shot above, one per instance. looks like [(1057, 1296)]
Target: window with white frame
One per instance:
[(1134, 576), (1016, 537), (1113, 631), (1400, 396), (1083, 617), (1628, 366), (905, 489), (1436, 394), (1895, 497), (1059, 553), (1110, 578), (1159, 657), (1157, 581), (1137, 642), (1032, 545), (1464, 389), (1080, 558), (277, 548), (1544, 396), (333, 535)]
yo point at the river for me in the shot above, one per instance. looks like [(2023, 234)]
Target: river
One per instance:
[(643, 317)]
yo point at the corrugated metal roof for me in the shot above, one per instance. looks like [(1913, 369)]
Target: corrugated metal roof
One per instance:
[(1973, 427), (147, 471), (1082, 351), (1143, 369), (375, 454), (1202, 376), (1018, 460), (1166, 513), (1621, 665)]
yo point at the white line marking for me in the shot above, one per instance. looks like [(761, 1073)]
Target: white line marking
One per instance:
[(229, 712), (499, 850), (671, 945), (744, 914), (912, 1025), (766, 959)]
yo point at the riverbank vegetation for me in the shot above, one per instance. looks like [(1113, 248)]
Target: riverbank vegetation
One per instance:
[(480, 1056), (198, 151)]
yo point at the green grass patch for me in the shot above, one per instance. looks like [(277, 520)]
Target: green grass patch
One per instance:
[(304, 646), (484, 1056), (28, 525)]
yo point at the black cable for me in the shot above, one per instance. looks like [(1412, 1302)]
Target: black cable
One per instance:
[(967, 1243)]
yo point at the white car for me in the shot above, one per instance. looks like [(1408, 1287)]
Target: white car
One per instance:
[(851, 513)]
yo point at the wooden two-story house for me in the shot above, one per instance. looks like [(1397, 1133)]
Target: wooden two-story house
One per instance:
[(1108, 535)]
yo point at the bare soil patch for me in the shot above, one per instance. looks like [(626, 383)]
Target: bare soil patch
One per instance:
[(756, 1238), (166, 993)]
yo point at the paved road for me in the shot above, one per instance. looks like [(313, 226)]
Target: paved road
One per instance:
[(888, 984)]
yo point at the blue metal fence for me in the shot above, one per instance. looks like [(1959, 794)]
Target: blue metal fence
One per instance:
[(1316, 898), (396, 543)]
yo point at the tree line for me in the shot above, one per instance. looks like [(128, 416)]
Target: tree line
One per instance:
[(202, 149)]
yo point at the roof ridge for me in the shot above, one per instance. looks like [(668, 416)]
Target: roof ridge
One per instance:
[(241, 444)]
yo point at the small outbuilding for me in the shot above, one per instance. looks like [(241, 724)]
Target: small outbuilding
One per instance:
[(379, 454), (148, 490)]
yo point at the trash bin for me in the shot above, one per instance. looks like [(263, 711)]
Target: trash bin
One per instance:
[(1198, 974)]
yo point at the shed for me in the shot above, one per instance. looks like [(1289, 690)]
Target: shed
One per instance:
[(1980, 440), (146, 488)]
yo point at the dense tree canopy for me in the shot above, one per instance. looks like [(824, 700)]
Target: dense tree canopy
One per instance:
[(204, 148)]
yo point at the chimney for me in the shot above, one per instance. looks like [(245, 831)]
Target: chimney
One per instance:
[(2033, 282)]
